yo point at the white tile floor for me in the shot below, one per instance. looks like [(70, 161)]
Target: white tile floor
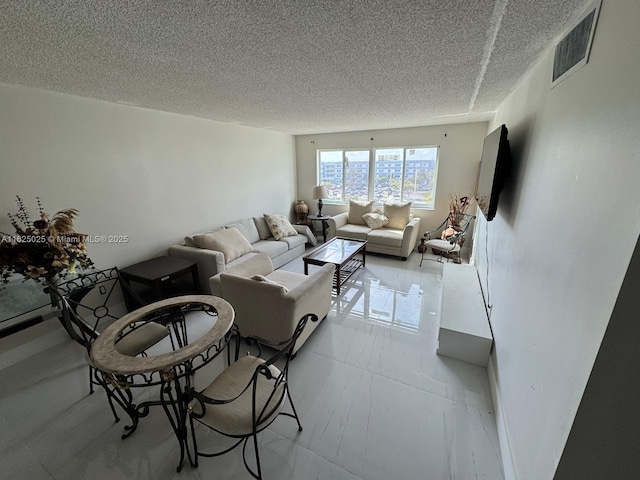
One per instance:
[(375, 401)]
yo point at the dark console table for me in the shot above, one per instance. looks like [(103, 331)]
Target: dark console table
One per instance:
[(157, 279)]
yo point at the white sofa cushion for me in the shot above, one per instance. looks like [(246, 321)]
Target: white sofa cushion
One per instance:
[(271, 247), (399, 214), (229, 241), (358, 232), (293, 242), (357, 210), (247, 228), (385, 236)]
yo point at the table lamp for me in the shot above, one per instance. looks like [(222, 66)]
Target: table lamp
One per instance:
[(319, 192)]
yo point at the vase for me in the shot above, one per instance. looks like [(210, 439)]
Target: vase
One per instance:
[(302, 210)]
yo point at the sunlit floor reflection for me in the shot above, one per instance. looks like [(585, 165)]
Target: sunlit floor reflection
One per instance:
[(370, 299)]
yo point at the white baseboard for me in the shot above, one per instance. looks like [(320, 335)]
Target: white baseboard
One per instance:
[(508, 465)]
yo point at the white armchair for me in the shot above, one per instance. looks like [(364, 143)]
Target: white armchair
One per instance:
[(269, 304)]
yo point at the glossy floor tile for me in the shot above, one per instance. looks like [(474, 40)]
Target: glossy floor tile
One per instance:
[(375, 401)]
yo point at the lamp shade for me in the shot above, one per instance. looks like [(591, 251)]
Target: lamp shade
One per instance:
[(319, 192)]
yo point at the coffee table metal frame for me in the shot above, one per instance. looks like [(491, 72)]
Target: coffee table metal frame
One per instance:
[(341, 252)]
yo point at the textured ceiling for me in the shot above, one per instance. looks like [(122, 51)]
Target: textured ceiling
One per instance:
[(294, 66)]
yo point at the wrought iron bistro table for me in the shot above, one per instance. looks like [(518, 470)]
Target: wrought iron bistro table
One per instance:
[(171, 371)]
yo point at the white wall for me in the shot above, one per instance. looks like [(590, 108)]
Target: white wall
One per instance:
[(152, 176), (560, 244), (459, 158)]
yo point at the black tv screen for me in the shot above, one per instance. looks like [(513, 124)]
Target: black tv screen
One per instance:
[(494, 169)]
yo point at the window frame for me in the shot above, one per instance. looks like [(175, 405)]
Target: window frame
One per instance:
[(371, 181)]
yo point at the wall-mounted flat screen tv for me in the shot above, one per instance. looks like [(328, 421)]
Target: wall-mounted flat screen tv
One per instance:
[(494, 169)]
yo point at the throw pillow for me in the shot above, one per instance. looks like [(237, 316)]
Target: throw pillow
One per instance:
[(190, 242), (399, 214), (247, 228), (279, 226), (229, 241), (375, 219), (263, 228), (262, 278), (357, 210)]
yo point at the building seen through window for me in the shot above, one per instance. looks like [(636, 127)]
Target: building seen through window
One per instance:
[(403, 174)]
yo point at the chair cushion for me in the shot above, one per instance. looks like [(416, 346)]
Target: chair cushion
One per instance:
[(443, 245), (279, 226), (247, 228), (141, 338), (357, 210), (399, 214), (235, 418), (375, 220), (289, 279), (229, 241)]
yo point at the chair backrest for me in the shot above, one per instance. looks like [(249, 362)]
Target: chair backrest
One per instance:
[(457, 227), (287, 352), (88, 303), (288, 347)]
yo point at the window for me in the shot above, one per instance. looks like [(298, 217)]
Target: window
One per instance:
[(400, 174), (344, 173)]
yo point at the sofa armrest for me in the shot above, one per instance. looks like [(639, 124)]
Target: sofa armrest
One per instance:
[(210, 262), (311, 296), (410, 236), (305, 230), (336, 222)]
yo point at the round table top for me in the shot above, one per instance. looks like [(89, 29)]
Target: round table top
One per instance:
[(106, 358)]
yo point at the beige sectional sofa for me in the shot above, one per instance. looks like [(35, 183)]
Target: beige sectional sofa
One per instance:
[(230, 245), (391, 231)]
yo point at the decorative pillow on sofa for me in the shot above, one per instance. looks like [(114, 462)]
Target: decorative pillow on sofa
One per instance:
[(375, 219), (190, 242), (279, 226), (228, 241), (262, 278), (247, 228), (357, 210), (399, 214)]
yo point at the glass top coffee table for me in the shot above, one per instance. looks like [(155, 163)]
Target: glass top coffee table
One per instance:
[(341, 252)]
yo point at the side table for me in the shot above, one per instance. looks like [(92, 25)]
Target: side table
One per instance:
[(157, 280), (323, 221)]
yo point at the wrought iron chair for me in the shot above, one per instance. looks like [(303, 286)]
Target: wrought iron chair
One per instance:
[(246, 398), (88, 304), (451, 233)]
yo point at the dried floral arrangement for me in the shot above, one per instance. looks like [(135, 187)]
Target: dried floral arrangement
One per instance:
[(457, 209), (42, 249)]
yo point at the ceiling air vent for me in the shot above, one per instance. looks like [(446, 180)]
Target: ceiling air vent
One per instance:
[(572, 52)]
